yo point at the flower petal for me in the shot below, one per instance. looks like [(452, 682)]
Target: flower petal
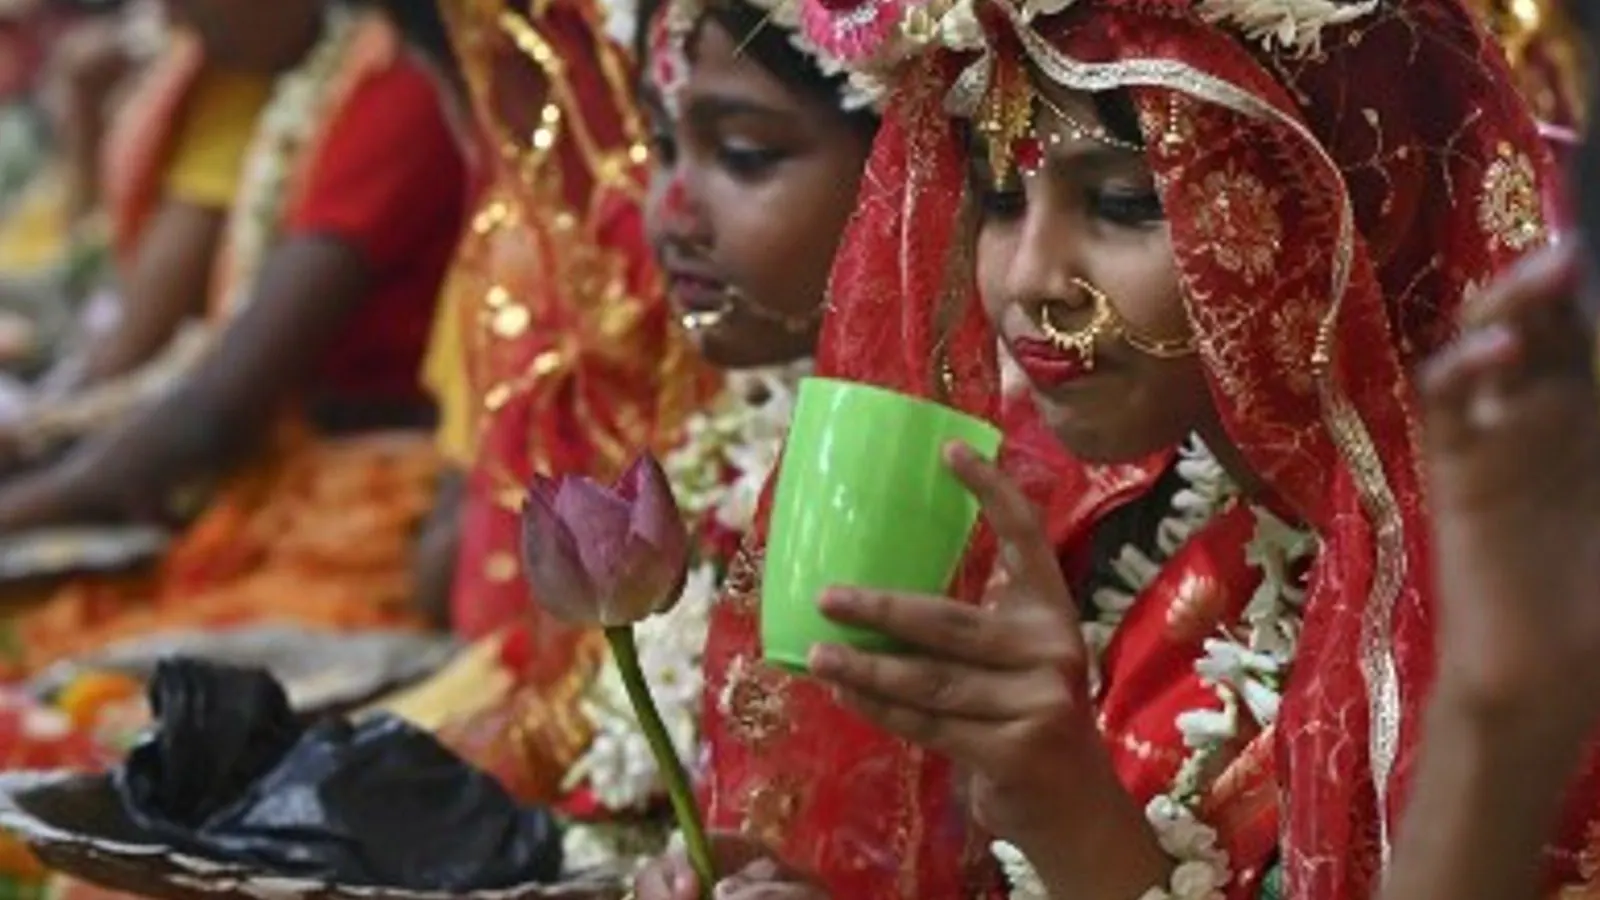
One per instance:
[(552, 565), (598, 520), (654, 516), (545, 487), (648, 582)]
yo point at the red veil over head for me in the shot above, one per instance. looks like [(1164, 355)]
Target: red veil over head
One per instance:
[(570, 350), (1331, 204)]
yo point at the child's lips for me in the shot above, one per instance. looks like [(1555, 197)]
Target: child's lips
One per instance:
[(1049, 366)]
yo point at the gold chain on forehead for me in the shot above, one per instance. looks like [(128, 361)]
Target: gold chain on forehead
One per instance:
[(1078, 130), (1005, 116), (1012, 112)]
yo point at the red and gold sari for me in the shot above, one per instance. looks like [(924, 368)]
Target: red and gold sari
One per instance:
[(568, 355), (568, 346), (1371, 186)]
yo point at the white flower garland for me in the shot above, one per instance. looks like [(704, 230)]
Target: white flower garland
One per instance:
[(1202, 867), (612, 846), (1290, 27), (1245, 666), (1206, 492), (743, 431), (1202, 870), (742, 435), (618, 764), (1020, 874), (1248, 671)]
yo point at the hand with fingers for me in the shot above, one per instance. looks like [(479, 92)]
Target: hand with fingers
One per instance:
[(749, 870), (1514, 458), (1512, 422), (1002, 690)]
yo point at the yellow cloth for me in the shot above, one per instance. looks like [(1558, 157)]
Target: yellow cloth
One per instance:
[(34, 232), (444, 372), (219, 123)]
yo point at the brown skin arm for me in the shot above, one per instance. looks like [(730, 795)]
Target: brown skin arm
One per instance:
[(219, 412), (168, 283), (90, 63), (1491, 776), (1487, 796), (1512, 437)]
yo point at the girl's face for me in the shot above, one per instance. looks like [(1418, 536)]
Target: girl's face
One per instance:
[(1116, 379), (755, 181)]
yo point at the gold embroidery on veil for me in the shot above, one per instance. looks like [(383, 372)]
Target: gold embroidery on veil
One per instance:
[(606, 319)]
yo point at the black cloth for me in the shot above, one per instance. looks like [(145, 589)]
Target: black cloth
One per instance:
[(230, 773)]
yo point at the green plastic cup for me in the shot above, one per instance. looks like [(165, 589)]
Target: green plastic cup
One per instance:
[(865, 500)]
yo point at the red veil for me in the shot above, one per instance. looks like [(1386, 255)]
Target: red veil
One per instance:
[(1329, 212), (571, 353)]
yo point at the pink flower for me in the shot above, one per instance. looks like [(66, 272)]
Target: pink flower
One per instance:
[(853, 31), (605, 556)]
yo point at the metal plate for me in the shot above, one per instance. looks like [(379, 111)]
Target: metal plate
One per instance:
[(75, 824), (320, 670), (59, 552)]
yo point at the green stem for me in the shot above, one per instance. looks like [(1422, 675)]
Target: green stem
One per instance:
[(625, 650)]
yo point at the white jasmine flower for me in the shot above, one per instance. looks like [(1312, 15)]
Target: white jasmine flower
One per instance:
[(1032, 9), (1112, 605), (1206, 728), (959, 29), (1135, 567), (1290, 26), (1261, 700), (1020, 874), (1197, 879)]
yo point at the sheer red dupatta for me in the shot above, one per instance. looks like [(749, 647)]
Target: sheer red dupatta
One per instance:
[(570, 348)]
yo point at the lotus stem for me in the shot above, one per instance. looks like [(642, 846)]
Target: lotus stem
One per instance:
[(625, 650)]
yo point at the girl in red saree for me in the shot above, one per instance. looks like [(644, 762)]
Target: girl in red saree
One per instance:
[(1245, 222), (786, 767)]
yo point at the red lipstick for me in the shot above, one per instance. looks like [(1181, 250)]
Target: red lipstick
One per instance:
[(1047, 365)]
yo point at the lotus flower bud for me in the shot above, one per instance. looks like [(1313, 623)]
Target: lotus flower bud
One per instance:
[(605, 556)]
